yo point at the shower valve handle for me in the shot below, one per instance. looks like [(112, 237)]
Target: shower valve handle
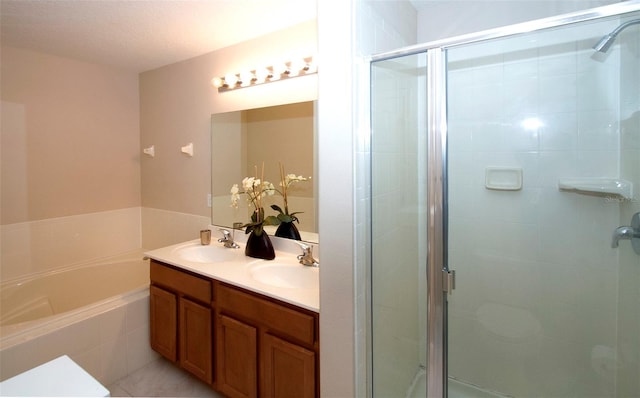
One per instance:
[(632, 233)]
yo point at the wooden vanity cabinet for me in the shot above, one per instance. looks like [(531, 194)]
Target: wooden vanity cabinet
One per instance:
[(181, 319), (264, 347), (261, 347)]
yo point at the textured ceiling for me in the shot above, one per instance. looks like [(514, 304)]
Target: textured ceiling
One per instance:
[(141, 35)]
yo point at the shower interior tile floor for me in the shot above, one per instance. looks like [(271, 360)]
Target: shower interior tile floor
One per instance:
[(161, 378)]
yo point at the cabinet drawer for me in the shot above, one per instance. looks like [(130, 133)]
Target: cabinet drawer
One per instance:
[(180, 281), (276, 317)]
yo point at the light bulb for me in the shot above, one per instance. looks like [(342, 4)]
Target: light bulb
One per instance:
[(312, 65), (298, 67), (217, 82), (262, 74), (246, 78), (231, 79), (279, 70)]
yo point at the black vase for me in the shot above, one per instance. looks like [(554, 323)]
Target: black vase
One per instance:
[(259, 246), (288, 230)]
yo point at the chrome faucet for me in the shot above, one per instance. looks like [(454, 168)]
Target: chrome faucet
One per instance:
[(306, 258), (227, 239), (623, 233), (628, 232)]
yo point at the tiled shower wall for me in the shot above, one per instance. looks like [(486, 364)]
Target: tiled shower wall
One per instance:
[(537, 282)]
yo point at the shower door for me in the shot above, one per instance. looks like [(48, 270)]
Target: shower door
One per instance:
[(398, 225), (540, 157), (543, 149)]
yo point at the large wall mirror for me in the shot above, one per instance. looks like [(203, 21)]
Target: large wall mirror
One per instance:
[(244, 140)]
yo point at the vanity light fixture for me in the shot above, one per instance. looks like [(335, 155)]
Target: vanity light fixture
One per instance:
[(286, 70)]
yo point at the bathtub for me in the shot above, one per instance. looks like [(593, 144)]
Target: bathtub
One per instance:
[(96, 313)]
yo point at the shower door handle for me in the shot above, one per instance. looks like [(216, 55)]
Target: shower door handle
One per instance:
[(632, 233)]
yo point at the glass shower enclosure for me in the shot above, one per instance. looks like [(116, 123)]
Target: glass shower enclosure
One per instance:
[(512, 157)]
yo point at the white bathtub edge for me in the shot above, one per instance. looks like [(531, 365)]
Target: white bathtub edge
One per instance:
[(40, 327)]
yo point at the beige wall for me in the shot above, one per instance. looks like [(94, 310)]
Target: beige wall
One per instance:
[(282, 133), (69, 137), (176, 106), (70, 162)]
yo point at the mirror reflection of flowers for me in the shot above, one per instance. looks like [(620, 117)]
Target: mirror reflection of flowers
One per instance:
[(286, 180), (256, 189)]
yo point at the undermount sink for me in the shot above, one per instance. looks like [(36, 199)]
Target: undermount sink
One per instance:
[(291, 276), (207, 253)]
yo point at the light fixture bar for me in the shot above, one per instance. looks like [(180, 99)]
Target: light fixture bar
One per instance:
[(286, 70)]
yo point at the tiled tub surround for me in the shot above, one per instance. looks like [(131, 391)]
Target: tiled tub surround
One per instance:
[(162, 228), (107, 336), (44, 245)]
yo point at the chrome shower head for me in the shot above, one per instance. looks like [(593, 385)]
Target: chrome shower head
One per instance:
[(604, 44), (607, 41)]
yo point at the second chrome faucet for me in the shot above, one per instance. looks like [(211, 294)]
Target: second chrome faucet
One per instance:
[(227, 239), (306, 258)]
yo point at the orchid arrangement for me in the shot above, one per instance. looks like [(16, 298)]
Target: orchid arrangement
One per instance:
[(256, 189), (286, 180)]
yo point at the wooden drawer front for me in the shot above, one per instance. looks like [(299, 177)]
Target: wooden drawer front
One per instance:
[(183, 282), (276, 317)]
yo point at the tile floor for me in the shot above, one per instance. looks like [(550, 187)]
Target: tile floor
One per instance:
[(161, 378)]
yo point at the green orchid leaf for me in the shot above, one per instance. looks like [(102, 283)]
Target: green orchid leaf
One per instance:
[(252, 227), (271, 220), (277, 208), (285, 217)]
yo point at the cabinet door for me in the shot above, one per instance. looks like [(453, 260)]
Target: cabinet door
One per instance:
[(163, 319), (287, 369), (196, 339), (236, 353)]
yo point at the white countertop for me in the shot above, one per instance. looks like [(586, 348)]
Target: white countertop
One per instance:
[(238, 271)]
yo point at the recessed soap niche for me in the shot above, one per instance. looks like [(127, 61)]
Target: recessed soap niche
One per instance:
[(503, 178)]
